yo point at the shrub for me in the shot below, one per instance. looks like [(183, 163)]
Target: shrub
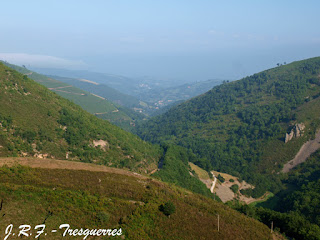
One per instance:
[(234, 188), (220, 178), (168, 208)]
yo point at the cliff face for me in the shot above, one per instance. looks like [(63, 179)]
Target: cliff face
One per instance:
[(296, 132)]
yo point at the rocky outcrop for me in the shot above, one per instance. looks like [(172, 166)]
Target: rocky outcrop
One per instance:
[(101, 143), (305, 151), (296, 132)]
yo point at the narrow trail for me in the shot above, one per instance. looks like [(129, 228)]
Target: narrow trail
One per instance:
[(213, 183), (58, 90), (305, 151)]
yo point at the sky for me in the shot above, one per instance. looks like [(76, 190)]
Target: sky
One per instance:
[(182, 40)]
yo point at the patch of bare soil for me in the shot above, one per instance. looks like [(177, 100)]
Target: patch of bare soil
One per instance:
[(305, 151), (207, 182), (63, 164), (226, 194)]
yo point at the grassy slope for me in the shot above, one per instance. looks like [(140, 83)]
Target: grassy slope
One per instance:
[(35, 120), (87, 199), (112, 112)]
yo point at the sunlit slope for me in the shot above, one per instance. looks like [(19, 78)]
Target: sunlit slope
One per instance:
[(87, 199)]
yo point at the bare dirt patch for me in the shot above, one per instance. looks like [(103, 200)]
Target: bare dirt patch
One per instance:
[(226, 194)]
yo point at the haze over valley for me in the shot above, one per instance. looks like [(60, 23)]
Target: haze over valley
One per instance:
[(160, 120)]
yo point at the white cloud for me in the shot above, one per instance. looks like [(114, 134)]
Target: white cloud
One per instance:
[(42, 61)]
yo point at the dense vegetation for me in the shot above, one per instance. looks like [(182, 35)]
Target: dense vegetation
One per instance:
[(86, 199), (292, 224), (302, 196), (174, 168), (239, 127), (35, 121)]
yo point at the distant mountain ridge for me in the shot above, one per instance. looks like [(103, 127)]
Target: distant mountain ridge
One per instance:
[(152, 94)]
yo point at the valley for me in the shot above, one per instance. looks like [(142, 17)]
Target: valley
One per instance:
[(160, 120), (247, 136)]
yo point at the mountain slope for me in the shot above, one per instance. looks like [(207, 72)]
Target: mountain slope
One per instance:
[(104, 91), (36, 122), (102, 108), (94, 200), (239, 127)]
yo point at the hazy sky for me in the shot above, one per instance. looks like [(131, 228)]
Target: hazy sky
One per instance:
[(178, 39)]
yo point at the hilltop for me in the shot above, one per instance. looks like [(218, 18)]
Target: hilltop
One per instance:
[(114, 199)]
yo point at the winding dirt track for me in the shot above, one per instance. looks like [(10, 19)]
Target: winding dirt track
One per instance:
[(64, 164), (305, 151)]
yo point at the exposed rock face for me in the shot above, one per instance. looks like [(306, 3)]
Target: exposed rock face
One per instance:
[(296, 132), (103, 144)]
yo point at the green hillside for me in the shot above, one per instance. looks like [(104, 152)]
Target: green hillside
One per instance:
[(302, 194), (102, 108), (37, 122), (107, 200), (65, 131), (239, 127)]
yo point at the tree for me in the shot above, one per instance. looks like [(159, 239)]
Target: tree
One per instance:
[(234, 188), (168, 208)]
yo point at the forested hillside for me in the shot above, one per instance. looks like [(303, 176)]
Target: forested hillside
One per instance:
[(240, 127), (303, 194)]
